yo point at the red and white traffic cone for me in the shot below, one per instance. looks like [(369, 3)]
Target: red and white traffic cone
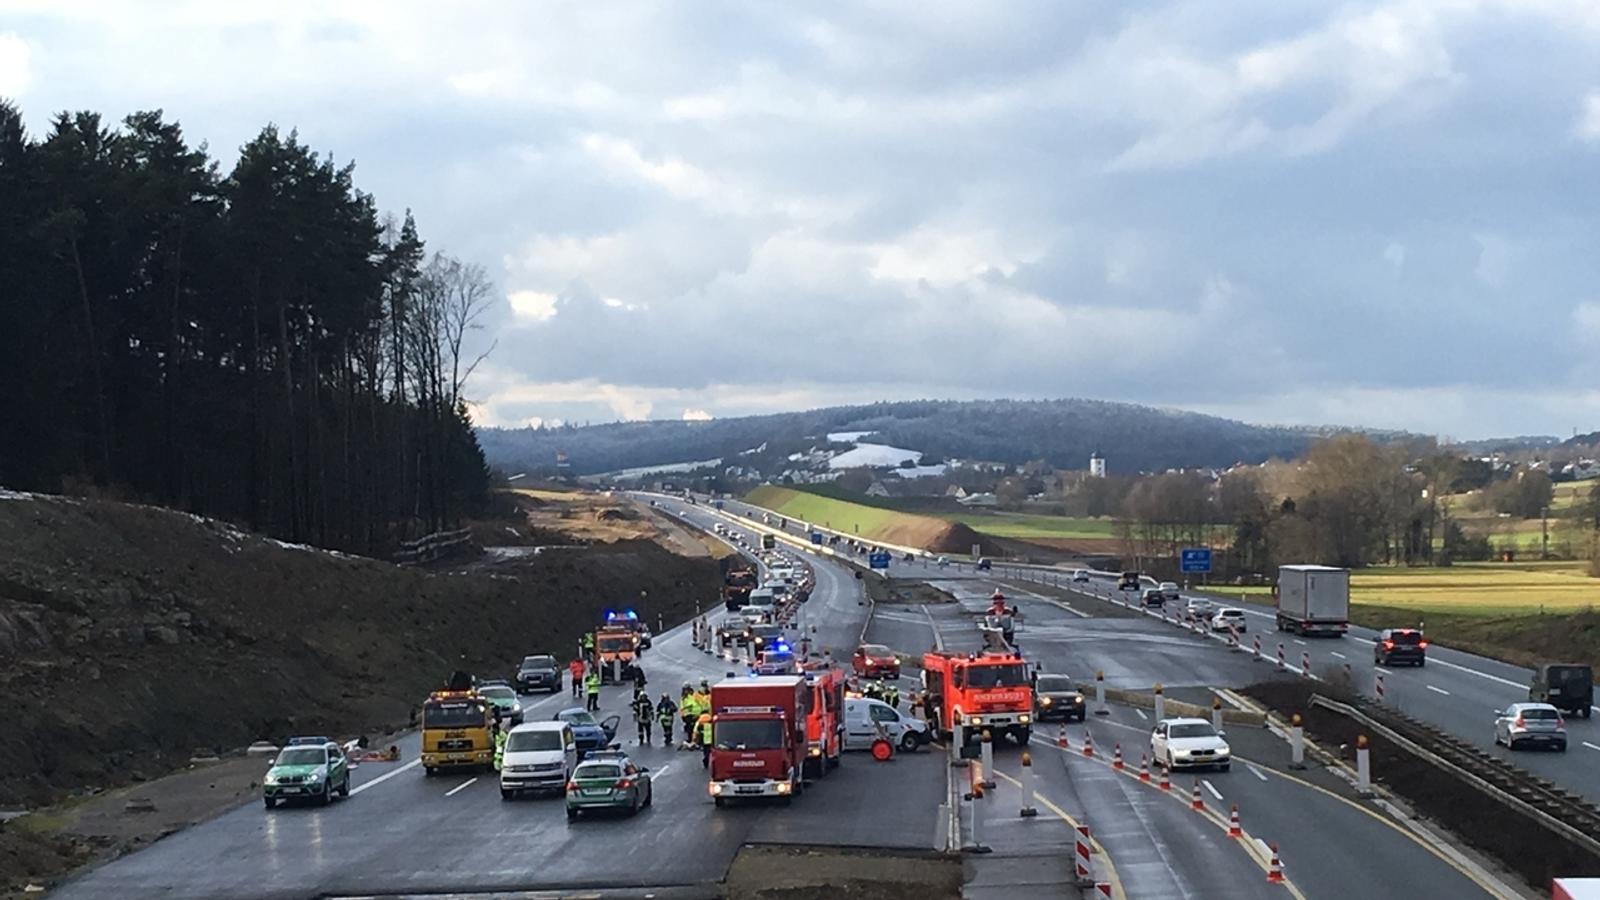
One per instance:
[(1061, 739), (1088, 744), (1274, 868), (1144, 768), (1197, 802), (1166, 781), (1234, 828), (1116, 757)]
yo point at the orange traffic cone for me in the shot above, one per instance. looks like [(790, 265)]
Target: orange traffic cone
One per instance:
[(1061, 739), (1116, 758), (1195, 800), (1088, 744), (1234, 829), (1275, 868), (1144, 768), (1166, 783)]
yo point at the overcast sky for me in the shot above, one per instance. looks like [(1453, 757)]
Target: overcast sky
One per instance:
[(1377, 213)]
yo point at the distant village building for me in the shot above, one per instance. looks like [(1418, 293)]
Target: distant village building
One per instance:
[(983, 500), (1097, 465), (956, 491)]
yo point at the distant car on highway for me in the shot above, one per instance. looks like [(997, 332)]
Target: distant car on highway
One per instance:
[(1128, 581), (1196, 610), (608, 779), (1054, 697), (1154, 598), (590, 734), (1229, 618), (763, 634), (985, 565), (1530, 725), (1400, 645), (538, 756), (1568, 687), (309, 768), (538, 673), (1189, 744), (944, 561), (1169, 589), (875, 661), (1080, 576), (504, 698)]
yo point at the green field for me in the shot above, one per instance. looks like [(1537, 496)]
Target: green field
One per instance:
[(874, 523), (824, 500), (1024, 527)]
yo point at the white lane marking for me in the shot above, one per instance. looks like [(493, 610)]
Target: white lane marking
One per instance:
[(1256, 772), (1591, 746), (1437, 690), (460, 787), (1141, 713), (657, 773), (384, 777), (1300, 642), (1337, 653), (1213, 791)]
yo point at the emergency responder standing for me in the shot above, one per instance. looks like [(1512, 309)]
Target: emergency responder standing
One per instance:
[(643, 713), (703, 735), (499, 744), (687, 712), (666, 711), (591, 689), (638, 677), (891, 694), (575, 669), (586, 643)]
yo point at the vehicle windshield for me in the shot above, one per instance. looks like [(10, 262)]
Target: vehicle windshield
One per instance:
[(747, 734), (766, 631), (592, 771), (616, 644), (498, 694), (1054, 683), (1003, 675), (453, 714), (539, 662), (533, 740), (302, 756), (1193, 730), (875, 650), (577, 717)]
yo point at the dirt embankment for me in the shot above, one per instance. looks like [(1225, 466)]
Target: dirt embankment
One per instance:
[(131, 636)]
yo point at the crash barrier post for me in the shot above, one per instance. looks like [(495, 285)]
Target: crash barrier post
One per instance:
[(1100, 708), (1233, 639), (1281, 663), (1363, 766), (1379, 685), (1297, 743), (1197, 802), (1160, 702), (1116, 757), (1275, 868), (1144, 768), (1028, 810), (1305, 663), (988, 758), (1080, 855), (1234, 828)]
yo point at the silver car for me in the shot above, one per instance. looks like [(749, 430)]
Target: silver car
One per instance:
[(1530, 725)]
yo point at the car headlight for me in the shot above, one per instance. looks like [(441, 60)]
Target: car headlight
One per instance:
[(1078, 699), (1045, 701), (1223, 752), (314, 777), (784, 787), (715, 788), (1024, 719), (271, 779), (1180, 753), (975, 720)]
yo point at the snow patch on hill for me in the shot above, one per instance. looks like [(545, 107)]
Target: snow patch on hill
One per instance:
[(873, 456)]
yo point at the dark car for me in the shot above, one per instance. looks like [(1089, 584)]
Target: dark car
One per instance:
[(1054, 697), (1154, 598), (538, 673), (1128, 581), (590, 734), (762, 634), (1568, 687), (1400, 645), (985, 565)]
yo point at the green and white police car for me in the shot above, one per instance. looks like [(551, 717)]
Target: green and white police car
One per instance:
[(308, 768)]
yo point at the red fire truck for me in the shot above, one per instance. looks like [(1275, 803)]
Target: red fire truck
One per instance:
[(824, 714), (987, 690), (758, 737)]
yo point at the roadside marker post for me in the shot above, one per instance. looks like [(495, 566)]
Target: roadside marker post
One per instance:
[(1080, 856), (1216, 713), (1160, 702), (1378, 683), (1305, 663), (1349, 674), (1297, 743), (1281, 664), (1258, 649), (1363, 767), (1100, 708), (1028, 810), (1233, 639), (988, 759)]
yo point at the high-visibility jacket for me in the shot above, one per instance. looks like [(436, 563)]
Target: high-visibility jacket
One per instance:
[(704, 725), (702, 702), (591, 683), (688, 706), (499, 748), (588, 640)]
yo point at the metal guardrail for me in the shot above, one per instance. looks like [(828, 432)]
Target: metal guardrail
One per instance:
[(431, 547), (1564, 813)]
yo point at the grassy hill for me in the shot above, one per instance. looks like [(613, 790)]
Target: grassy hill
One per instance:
[(872, 523)]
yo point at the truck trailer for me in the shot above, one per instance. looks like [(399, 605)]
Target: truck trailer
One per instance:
[(1313, 599)]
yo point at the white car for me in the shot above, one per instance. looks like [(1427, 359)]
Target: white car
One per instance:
[(539, 756), (1229, 618), (1080, 576), (866, 719), (1188, 744), (944, 561), (1169, 590), (1198, 610)]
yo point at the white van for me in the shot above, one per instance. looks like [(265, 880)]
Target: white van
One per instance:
[(864, 717), (539, 756)]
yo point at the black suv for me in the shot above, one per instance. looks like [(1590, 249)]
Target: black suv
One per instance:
[(1054, 697), (1568, 687), (1400, 645), (538, 673)]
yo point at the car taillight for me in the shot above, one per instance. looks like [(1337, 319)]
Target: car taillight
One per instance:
[(1388, 645), (622, 785), (572, 786), (1560, 722), (1518, 722), (1422, 644)]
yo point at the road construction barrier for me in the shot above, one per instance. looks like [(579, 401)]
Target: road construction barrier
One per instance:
[(1378, 684), (1258, 647), (1144, 768), (1281, 664), (1102, 889), (1080, 855), (1297, 743), (1363, 766), (1028, 810), (988, 758), (1275, 868), (1234, 828), (1305, 663), (1116, 757), (1233, 639), (1197, 802)]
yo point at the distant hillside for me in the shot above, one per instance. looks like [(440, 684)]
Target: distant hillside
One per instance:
[(1062, 432)]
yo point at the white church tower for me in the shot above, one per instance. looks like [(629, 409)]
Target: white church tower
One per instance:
[(1097, 465)]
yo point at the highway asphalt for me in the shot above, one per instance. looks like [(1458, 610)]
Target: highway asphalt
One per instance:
[(401, 832)]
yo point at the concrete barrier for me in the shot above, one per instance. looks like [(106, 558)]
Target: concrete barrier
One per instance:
[(1175, 708)]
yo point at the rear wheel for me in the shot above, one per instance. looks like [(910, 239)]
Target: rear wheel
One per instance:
[(428, 771), (344, 789)]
